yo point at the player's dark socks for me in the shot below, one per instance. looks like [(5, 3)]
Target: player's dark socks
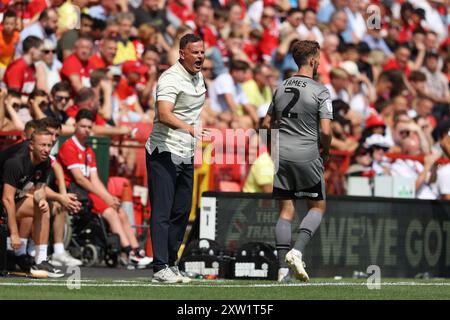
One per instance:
[(308, 227), (283, 240)]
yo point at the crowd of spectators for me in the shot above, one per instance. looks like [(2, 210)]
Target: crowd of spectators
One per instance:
[(386, 64)]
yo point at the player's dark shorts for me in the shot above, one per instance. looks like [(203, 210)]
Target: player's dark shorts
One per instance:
[(294, 180)]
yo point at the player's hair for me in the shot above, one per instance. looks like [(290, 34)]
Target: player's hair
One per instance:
[(61, 86), (84, 95), (31, 42), (189, 38), (303, 50), (85, 114), (50, 122), (239, 65), (40, 132)]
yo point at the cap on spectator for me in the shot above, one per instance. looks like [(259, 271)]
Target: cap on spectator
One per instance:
[(350, 67), (377, 140), (134, 67), (375, 120)]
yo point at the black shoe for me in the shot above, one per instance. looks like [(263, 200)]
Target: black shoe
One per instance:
[(52, 271), (24, 262)]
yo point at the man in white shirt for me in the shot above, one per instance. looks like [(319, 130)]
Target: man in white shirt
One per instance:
[(338, 86), (228, 97), (170, 149), (408, 168), (308, 30)]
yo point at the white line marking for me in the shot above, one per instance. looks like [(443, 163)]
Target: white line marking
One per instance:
[(212, 285)]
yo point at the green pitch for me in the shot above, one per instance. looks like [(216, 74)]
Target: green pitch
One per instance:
[(142, 288)]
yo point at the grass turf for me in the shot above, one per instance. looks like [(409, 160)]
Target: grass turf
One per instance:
[(323, 289)]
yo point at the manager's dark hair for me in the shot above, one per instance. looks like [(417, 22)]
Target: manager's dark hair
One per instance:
[(31, 42), (189, 38), (303, 50), (85, 114)]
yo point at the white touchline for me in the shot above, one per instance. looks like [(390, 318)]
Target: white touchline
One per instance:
[(212, 285)]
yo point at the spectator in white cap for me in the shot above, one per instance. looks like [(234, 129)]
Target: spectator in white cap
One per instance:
[(378, 146)]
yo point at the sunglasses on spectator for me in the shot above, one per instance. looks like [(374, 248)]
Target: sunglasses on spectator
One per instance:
[(268, 16), (48, 51), (207, 68), (404, 133), (363, 152), (61, 98)]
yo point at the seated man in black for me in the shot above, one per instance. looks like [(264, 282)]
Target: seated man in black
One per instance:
[(22, 184)]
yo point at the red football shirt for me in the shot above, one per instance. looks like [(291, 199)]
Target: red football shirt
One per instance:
[(73, 110), (20, 76), (269, 42), (182, 11), (392, 64), (73, 154), (208, 36), (126, 93), (72, 65), (97, 62)]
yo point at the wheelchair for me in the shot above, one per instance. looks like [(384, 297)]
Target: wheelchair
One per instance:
[(87, 238)]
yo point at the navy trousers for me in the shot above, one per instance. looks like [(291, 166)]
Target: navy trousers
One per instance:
[(170, 184)]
